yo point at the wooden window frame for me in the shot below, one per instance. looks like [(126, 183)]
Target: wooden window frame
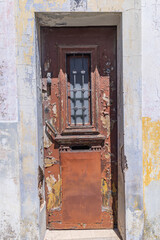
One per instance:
[(63, 124)]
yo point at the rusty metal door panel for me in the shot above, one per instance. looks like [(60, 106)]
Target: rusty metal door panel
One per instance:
[(81, 187)]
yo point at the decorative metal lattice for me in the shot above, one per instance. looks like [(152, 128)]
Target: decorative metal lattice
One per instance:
[(79, 89)]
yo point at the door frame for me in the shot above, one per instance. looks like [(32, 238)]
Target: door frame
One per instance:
[(128, 146)]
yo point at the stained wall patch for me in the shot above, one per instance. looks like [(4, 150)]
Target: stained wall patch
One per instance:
[(78, 5)]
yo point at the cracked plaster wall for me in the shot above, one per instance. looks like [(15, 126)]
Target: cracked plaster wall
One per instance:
[(20, 156), (9, 145), (151, 116)]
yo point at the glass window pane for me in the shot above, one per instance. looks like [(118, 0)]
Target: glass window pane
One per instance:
[(79, 89)]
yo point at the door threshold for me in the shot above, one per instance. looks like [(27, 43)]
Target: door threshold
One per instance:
[(102, 234)]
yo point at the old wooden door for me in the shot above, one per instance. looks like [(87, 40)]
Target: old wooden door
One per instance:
[(80, 126)]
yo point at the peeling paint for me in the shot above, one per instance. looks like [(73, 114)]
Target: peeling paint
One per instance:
[(54, 192), (106, 123), (54, 109), (106, 100), (105, 193), (47, 141), (50, 161), (104, 186), (59, 108)]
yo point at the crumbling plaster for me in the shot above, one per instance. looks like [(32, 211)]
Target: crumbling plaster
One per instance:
[(21, 136)]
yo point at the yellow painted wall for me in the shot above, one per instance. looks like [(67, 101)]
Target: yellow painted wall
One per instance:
[(151, 150), (151, 177)]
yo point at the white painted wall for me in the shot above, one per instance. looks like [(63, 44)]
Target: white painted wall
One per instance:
[(9, 146), (151, 58), (151, 115)]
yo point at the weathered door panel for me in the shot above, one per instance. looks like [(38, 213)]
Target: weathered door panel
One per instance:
[(81, 186)]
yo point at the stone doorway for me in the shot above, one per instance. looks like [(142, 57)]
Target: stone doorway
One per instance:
[(90, 19)]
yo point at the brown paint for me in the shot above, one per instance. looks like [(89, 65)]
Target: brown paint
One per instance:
[(100, 137), (81, 185)]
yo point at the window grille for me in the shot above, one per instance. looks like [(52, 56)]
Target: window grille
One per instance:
[(79, 89)]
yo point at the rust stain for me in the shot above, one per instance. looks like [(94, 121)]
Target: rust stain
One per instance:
[(54, 192), (81, 189)]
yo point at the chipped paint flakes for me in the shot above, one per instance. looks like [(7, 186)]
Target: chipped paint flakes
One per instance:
[(106, 123), (105, 193), (50, 161), (106, 100), (104, 186), (47, 141), (54, 109), (107, 156), (54, 192)]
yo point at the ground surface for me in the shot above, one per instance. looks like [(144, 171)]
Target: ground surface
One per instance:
[(81, 235)]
